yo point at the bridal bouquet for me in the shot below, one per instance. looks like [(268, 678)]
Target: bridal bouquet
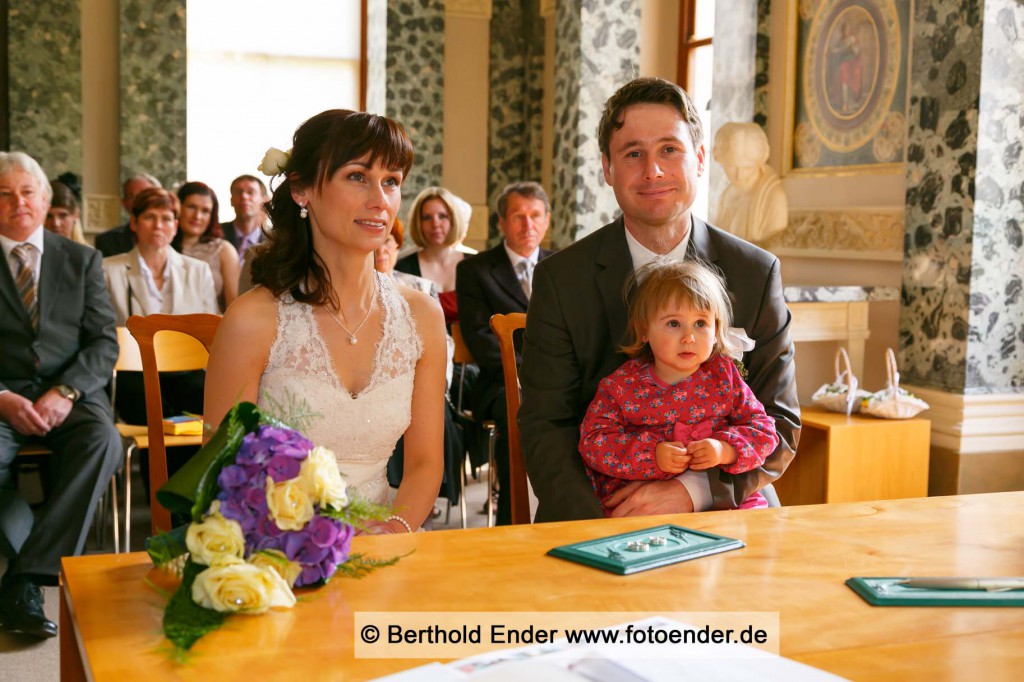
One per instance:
[(269, 511)]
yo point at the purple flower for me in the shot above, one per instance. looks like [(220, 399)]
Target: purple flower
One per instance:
[(257, 448), (310, 576), (323, 531), (298, 546), (230, 509), (282, 467), (232, 476)]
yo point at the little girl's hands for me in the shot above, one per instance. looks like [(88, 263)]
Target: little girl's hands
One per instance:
[(710, 453), (672, 457)]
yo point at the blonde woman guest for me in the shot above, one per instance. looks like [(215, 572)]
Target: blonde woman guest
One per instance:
[(201, 237), (153, 277), (437, 224), (63, 215)]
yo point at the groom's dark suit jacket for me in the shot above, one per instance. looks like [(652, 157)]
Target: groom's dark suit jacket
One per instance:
[(575, 325), (486, 285)]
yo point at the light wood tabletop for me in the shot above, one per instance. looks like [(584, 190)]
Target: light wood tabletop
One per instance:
[(795, 562)]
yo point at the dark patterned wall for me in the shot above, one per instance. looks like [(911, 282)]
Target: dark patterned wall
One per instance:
[(962, 319), (597, 50), (763, 63), (516, 96), (153, 74), (415, 85), (45, 87)]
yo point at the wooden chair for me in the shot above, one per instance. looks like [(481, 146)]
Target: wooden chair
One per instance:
[(184, 351), (504, 326), (461, 356)]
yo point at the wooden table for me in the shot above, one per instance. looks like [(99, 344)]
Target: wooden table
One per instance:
[(856, 458), (795, 563)]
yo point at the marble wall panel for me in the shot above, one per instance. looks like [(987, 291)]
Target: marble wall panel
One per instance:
[(376, 55), (597, 51), (960, 323), (733, 73), (153, 89), (415, 85), (995, 337), (516, 97), (762, 63), (45, 88)]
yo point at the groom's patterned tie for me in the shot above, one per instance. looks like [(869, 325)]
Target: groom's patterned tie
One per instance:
[(25, 281)]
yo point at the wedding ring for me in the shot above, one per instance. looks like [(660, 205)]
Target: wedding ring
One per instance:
[(637, 546), (657, 541)]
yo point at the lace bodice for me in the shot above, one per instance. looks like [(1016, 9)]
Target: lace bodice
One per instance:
[(361, 430)]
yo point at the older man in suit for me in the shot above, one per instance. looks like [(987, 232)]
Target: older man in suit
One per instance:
[(495, 281), (57, 350), (652, 154)]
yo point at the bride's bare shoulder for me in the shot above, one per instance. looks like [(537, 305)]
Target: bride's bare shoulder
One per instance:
[(253, 313)]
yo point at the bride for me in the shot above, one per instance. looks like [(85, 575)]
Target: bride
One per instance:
[(325, 330)]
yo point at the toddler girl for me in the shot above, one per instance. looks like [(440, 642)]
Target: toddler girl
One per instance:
[(680, 402)]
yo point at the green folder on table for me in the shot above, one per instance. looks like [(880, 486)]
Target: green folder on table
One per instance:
[(641, 550), (888, 591)]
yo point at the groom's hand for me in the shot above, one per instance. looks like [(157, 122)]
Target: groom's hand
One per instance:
[(649, 498)]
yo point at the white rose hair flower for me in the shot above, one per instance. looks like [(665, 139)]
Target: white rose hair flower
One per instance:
[(274, 161)]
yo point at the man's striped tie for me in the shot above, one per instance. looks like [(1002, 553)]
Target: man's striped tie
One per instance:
[(25, 281)]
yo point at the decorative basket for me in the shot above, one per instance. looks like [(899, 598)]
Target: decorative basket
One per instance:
[(842, 395), (893, 402)]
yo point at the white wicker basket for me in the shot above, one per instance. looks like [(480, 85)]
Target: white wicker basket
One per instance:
[(842, 395), (893, 402)]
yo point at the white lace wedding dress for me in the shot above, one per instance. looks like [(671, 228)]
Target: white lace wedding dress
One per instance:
[(361, 429)]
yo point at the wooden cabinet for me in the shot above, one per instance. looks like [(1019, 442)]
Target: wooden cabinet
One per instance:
[(856, 458)]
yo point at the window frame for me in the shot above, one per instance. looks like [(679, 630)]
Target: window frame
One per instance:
[(687, 43)]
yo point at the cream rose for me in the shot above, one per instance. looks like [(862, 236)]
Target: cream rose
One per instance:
[(321, 479), (239, 587), (274, 161), (216, 537), (277, 562), (289, 504)]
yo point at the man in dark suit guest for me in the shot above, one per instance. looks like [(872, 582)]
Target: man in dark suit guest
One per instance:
[(57, 351), (495, 281), (121, 239), (652, 154), (248, 196)]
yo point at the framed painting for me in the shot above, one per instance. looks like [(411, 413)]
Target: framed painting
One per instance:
[(847, 86)]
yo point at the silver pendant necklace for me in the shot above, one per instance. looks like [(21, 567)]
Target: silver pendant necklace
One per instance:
[(352, 334)]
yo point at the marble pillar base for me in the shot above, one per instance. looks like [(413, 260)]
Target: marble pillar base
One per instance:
[(977, 441), (956, 473)]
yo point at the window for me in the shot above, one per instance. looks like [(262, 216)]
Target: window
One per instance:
[(696, 55), (256, 72)]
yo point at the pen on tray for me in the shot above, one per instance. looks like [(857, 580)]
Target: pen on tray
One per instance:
[(973, 584)]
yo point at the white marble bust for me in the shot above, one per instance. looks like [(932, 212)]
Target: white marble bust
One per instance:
[(754, 205)]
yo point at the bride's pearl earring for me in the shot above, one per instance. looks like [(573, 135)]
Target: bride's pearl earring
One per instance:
[(303, 213)]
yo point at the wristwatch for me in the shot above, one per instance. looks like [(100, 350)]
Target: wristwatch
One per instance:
[(66, 391)]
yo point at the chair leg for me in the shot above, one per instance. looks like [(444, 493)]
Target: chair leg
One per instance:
[(492, 437), (128, 496), (462, 497), (114, 513)]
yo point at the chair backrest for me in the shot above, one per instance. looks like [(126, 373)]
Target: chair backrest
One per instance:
[(504, 326), (167, 353)]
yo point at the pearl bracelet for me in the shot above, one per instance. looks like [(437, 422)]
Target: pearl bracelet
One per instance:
[(396, 517)]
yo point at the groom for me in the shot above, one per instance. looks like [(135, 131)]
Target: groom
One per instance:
[(652, 154)]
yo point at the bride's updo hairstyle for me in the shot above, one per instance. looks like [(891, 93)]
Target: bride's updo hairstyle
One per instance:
[(287, 261)]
